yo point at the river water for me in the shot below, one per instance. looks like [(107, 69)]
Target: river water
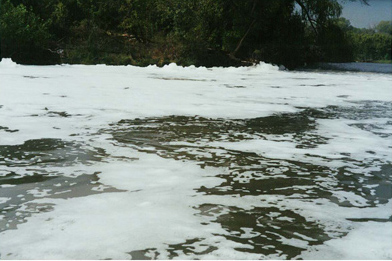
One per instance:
[(357, 67), (122, 162)]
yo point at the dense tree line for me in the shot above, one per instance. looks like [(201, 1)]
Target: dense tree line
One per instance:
[(200, 32), (371, 44)]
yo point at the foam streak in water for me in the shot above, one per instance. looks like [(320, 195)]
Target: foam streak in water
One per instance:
[(125, 162)]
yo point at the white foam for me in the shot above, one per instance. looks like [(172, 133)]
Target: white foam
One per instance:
[(362, 243), (7, 62), (3, 200), (157, 204)]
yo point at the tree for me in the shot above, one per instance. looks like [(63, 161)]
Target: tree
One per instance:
[(384, 27), (23, 33), (204, 32)]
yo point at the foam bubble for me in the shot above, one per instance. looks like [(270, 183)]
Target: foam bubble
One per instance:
[(164, 200), (7, 62)]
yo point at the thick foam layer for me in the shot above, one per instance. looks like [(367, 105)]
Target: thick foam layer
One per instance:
[(7, 62), (182, 162)]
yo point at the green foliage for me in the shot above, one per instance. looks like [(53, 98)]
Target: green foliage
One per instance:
[(24, 35), (370, 47), (344, 24), (320, 11), (22, 31), (335, 43), (369, 44), (384, 27), (200, 32)]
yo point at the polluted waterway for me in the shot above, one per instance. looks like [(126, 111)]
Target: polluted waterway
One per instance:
[(250, 174), (31, 174), (194, 163), (194, 138)]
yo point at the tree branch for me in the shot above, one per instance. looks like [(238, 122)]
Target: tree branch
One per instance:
[(232, 55), (308, 15), (243, 38)]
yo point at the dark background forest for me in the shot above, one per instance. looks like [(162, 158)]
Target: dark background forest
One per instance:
[(188, 32)]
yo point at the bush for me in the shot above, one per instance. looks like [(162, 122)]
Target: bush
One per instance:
[(24, 36)]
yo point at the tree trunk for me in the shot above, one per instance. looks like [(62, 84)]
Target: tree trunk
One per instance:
[(307, 15), (232, 54), (242, 39)]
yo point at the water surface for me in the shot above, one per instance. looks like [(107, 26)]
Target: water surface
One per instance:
[(194, 163)]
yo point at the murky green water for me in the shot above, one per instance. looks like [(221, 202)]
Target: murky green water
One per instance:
[(38, 170), (192, 138), (251, 174)]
